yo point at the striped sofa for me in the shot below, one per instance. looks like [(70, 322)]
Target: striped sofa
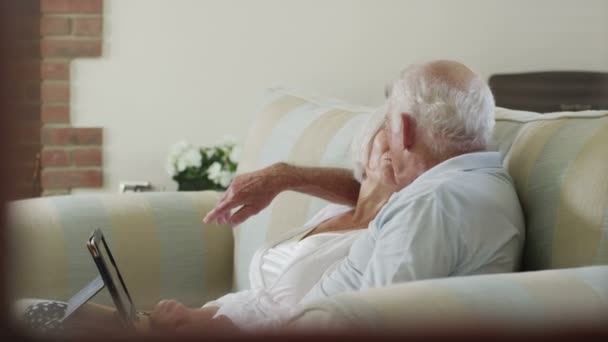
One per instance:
[(559, 163)]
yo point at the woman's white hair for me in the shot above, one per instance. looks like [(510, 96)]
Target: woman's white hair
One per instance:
[(453, 107), (362, 141)]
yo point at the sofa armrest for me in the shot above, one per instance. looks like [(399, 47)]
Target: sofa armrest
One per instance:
[(158, 240), (527, 301)]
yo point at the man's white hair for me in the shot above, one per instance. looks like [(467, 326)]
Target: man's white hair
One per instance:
[(453, 107), (361, 144)]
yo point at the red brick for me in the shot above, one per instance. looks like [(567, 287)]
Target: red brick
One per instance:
[(87, 27), (71, 136), (57, 136), (71, 6), (88, 136), (51, 158), (54, 70), (54, 26), (87, 179), (87, 157), (62, 179), (52, 179), (55, 92), (55, 114), (70, 48)]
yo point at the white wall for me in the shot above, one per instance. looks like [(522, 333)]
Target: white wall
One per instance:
[(195, 69)]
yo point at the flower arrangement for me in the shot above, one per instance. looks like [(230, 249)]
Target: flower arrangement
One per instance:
[(203, 168)]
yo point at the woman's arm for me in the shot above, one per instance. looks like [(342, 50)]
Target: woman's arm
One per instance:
[(255, 190)]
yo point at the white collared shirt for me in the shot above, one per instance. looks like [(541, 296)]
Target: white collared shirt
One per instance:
[(462, 217)]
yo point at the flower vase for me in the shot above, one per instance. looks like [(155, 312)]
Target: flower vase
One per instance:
[(196, 185)]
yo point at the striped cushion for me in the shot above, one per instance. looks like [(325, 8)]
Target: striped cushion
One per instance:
[(302, 130), (559, 164), (158, 240), (513, 301)]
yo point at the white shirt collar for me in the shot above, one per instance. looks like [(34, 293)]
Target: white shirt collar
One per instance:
[(464, 162)]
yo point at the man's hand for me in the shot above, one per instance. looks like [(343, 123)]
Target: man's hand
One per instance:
[(251, 191)]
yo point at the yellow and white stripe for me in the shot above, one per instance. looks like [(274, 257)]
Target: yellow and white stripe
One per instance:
[(158, 240), (527, 301)]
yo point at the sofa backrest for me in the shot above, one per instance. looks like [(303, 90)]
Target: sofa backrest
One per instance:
[(555, 160), (559, 164), (157, 238)]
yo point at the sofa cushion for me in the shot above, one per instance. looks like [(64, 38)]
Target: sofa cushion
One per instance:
[(559, 164), (511, 302)]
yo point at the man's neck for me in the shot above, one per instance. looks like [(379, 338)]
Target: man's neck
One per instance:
[(417, 165), (372, 197)]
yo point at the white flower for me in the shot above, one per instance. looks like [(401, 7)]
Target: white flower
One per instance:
[(170, 166), (181, 165), (225, 178), (214, 171), (192, 158), (182, 155), (178, 148), (228, 140), (235, 155)]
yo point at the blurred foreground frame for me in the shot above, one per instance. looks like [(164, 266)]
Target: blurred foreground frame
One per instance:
[(20, 111), (20, 114)]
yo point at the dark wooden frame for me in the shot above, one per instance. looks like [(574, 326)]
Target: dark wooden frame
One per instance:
[(551, 91)]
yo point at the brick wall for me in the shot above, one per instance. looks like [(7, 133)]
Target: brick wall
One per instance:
[(71, 157)]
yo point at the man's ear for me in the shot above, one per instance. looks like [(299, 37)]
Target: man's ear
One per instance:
[(409, 130)]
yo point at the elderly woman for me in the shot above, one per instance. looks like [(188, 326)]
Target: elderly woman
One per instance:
[(283, 272)]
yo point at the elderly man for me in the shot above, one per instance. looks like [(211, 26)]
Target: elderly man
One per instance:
[(456, 211)]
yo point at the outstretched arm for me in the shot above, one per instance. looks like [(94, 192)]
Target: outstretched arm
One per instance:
[(255, 190)]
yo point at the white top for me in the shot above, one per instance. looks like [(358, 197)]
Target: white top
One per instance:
[(461, 217), (283, 271)]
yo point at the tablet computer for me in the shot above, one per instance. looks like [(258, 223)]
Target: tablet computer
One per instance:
[(108, 270)]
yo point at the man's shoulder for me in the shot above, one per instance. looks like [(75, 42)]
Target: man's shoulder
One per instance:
[(454, 182), (456, 192)]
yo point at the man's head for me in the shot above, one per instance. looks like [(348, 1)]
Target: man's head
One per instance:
[(436, 111)]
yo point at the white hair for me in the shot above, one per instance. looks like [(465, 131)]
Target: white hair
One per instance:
[(362, 141), (454, 113)]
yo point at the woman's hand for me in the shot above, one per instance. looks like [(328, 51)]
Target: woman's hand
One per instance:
[(171, 316), (252, 192)]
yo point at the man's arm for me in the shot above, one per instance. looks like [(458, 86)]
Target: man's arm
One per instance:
[(255, 190)]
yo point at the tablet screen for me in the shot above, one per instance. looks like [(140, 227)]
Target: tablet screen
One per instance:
[(123, 302)]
